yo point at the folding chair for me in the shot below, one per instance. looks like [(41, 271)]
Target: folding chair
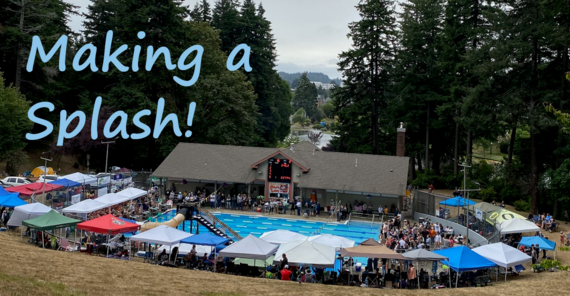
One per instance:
[(344, 277), (230, 268)]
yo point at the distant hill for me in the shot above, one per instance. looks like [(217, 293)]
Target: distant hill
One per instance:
[(313, 76)]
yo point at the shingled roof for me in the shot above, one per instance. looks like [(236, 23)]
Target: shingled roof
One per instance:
[(323, 170)]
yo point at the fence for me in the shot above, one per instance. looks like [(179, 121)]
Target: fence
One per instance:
[(425, 203)]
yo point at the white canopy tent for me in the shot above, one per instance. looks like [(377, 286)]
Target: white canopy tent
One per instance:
[(282, 236), (131, 193), (85, 207), (82, 178), (307, 253), (334, 241), (26, 212), (162, 235), (503, 255), (250, 247), (517, 225)]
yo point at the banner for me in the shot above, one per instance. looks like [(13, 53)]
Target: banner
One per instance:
[(128, 180), (117, 177), (478, 214), (75, 199), (279, 188), (101, 191), (103, 180)]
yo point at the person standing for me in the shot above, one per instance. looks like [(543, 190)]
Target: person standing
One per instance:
[(411, 275), (298, 205)]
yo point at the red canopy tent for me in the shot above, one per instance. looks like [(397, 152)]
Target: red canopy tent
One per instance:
[(108, 224), (29, 189)]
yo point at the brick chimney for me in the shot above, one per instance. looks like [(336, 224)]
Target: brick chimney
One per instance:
[(401, 140)]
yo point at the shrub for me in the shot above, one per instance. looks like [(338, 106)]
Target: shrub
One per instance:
[(76, 165), (317, 126), (504, 147), (487, 194), (424, 179), (510, 194), (522, 205)]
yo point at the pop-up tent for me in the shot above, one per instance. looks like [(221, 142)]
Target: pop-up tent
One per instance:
[(131, 193), (503, 255), (108, 224), (11, 201), (499, 216), (49, 221), (371, 249), (457, 201), (462, 259), (306, 253), (82, 179), (65, 183), (250, 247), (424, 255), (282, 236), (162, 235), (37, 172), (38, 188), (542, 243), (205, 239), (517, 226), (85, 207), (3, 192), (27, 212), (334, 241)]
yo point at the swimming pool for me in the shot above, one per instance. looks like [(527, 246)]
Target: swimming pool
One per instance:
[(256, 225)]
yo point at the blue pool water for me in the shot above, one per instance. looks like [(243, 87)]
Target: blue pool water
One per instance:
[(257, 225)]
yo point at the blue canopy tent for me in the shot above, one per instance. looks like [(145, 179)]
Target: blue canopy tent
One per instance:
[(65, 183), (462, 259), (11, 201), (458, 202), (542, 243), (206, 239), (3, 193)]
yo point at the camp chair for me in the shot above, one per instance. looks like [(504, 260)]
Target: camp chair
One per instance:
[(148, 256), (344, 277), (230, 268), (65, 246), (254, 271)]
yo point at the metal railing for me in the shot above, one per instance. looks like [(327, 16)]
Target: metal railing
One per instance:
[(218, 223)]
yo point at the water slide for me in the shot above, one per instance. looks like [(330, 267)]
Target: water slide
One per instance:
[(174, 222)]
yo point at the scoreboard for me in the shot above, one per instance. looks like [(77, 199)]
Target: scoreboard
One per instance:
[(279, 170)]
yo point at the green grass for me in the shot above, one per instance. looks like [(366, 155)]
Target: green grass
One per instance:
[(19, 285)]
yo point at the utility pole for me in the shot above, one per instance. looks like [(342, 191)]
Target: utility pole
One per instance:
[(466, 198), (48, 158), (107, 156)]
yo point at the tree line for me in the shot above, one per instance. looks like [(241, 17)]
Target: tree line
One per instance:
[(456, 72), (233, 108)]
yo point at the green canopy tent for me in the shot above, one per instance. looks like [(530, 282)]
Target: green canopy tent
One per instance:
[(49, 221)]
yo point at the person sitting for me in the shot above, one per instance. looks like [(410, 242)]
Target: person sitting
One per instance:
[(163, 257), (309, 278), (190, 260), (285, 273), (552, 226)]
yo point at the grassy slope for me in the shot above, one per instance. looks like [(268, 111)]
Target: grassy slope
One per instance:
[(29, 270)]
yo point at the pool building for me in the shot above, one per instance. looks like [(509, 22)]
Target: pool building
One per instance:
[(302, 170)]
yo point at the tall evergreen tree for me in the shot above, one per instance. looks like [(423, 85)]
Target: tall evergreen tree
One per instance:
[(367, 73), (201, 12), (418, 87), (306, 96), (225, 18)]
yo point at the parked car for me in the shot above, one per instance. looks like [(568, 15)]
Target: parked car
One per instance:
[(16, 181), (48, 178), (4, 184)]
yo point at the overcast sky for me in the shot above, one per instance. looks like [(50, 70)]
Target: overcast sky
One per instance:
[(309, 33)]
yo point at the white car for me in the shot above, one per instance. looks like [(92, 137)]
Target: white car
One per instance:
[(48, 178), (16, 181), (4, 185)]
